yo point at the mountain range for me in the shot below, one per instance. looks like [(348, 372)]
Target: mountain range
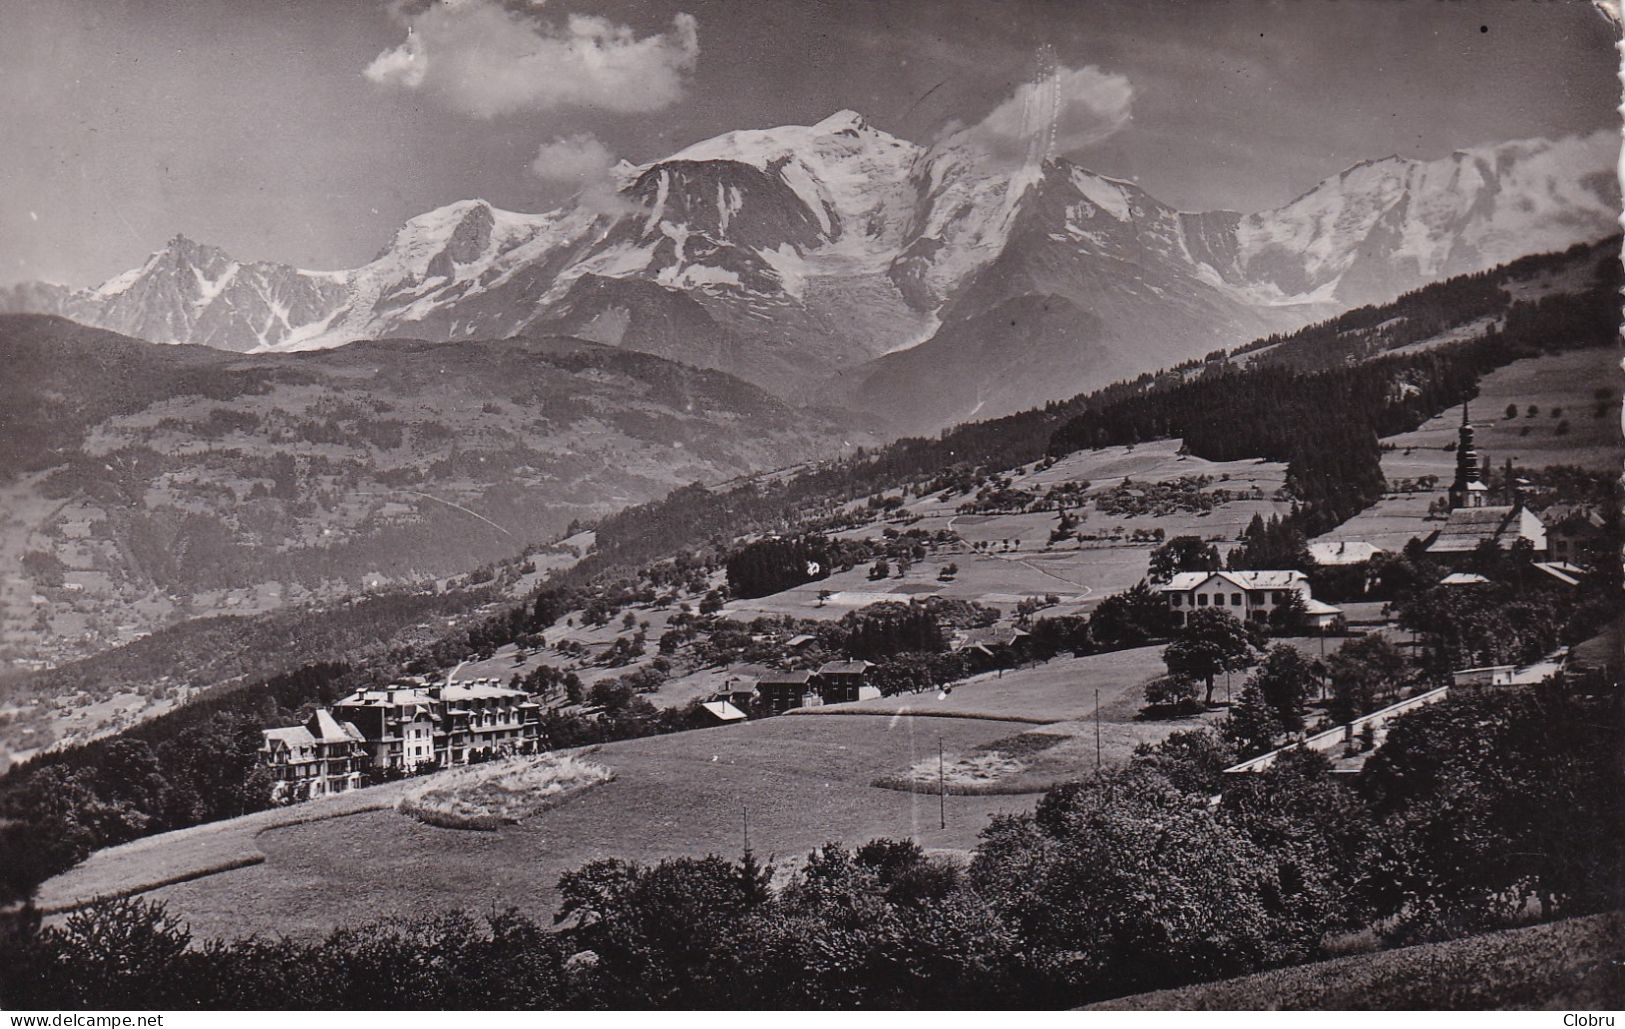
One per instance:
[(923, 284)]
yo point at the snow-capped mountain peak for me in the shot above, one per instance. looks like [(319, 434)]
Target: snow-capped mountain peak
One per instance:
[(845, 120), (1383, 226), (792, 253)]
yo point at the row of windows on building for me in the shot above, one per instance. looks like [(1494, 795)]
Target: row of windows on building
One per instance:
[(1236, 599)]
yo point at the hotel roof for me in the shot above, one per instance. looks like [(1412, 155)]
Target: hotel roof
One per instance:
[(1247, 580)]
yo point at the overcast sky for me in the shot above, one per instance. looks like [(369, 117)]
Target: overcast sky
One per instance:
[(305, 131)]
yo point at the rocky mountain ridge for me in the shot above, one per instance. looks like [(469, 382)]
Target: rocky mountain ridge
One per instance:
[(838, 261)]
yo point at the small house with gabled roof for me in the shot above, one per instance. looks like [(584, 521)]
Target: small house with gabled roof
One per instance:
[(779, 692), (841, 682), (1573, 532)]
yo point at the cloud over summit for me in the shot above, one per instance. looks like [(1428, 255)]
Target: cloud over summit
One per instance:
[(486, 59), (583, 161), (1060, 113), (576, 159)]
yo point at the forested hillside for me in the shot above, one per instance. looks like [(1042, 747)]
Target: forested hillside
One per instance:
[(143, 484), (1326, 423)]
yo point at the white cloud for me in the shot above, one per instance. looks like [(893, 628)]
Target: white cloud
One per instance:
[(486, 59), (579, 158), (1059, 114), (583, 161)]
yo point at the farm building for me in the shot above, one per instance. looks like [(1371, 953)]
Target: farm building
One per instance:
[(722, 712), (840, 682), (991, 640), (781, 691)]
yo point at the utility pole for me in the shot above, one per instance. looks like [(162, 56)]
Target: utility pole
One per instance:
[(942, 788), (1097, 728), (745, 811)]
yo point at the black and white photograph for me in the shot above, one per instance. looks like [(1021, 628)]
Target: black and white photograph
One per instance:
[(791, 505)]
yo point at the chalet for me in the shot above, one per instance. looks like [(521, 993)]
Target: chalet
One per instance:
[(1248, 595), (319, 758), (782, 691), (741, 693), (841, 682), (1573, 532)]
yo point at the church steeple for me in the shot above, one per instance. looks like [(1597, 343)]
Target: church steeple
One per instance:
[(1468, 489)]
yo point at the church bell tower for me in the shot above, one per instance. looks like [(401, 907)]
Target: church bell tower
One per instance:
[(1468, 489)]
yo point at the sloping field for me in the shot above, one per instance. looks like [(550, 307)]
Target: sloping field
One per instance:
[(1055, 691), (1061, 741), (804, 782), (147, 863), (1566, 382), (1002, 580), (1569, 965), (1020, 565)]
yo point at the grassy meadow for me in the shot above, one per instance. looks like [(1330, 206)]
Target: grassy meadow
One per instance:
[(802, 782), (1573, 964)]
